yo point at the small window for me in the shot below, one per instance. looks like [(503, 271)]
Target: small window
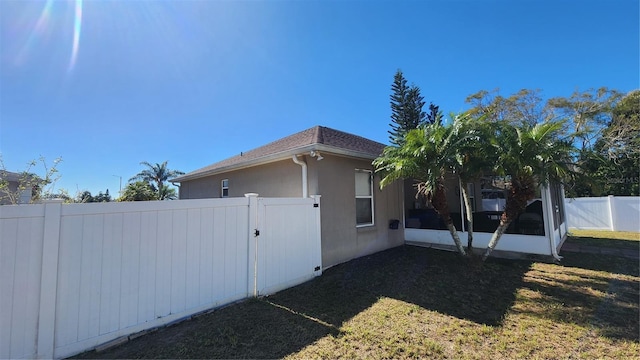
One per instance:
[(364, 197), (224, 188)]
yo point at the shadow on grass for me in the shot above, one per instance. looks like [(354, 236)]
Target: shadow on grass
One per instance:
[(609, 243), (601, 262), (251, 329), (614, 315), (607, 305), (292, 319), (436, 280), (441, 281)]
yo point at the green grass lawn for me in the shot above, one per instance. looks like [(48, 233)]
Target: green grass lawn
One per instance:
[(412, 302), (602, 238)]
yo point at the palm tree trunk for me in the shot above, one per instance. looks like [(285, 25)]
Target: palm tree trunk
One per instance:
[(469, 215), (439, 201), (496, 237), (456, 238), (522, 190)]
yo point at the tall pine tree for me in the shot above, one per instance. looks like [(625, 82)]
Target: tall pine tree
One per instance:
[(434, 115), (406, 109)]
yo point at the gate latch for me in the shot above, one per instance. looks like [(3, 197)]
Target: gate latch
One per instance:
[(256, 233)]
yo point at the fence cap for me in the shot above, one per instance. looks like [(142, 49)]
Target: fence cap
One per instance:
[(251, 195), (53, 201)]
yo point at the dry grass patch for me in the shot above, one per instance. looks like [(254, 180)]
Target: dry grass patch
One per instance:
[(412, 302)]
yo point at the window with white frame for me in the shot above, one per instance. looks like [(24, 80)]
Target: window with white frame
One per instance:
[(364, 197), (224, 188)]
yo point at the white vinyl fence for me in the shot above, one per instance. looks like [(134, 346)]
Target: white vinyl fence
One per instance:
[(615, 213), (74, 276)]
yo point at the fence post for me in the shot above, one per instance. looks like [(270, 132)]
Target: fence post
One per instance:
[(612, 211), (610, 201), (252, 279), (49, 279)]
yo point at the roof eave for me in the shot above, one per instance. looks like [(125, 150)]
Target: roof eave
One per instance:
[(276, 157)]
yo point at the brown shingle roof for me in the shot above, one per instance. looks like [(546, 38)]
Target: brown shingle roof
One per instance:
[(315, 138)]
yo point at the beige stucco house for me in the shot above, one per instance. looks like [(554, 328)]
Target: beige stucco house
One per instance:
[(357, 216)]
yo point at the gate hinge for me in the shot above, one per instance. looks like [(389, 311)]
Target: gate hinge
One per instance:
[(316, 205), (256, 233), (317, 268)]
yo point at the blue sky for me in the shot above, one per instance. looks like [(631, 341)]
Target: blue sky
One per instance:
[(108, 84)]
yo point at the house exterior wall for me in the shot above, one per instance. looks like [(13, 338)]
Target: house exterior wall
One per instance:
[(278, 179), (341, 239), (333, 178)]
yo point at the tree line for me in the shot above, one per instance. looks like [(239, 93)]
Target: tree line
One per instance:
[(149, 184)]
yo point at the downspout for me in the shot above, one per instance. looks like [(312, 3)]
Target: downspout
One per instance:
[(305, 186)]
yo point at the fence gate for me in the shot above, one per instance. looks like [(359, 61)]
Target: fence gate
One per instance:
[(287, 243)]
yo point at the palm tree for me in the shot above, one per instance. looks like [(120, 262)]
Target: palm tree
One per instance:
[(167, 193), (470, 158), (425, 157), (156, 175), (531, 156), (138, 191)]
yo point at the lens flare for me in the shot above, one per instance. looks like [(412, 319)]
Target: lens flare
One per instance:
[(43, 19), (77, 27)]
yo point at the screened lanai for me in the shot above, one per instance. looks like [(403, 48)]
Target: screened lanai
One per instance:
[(540, 229)]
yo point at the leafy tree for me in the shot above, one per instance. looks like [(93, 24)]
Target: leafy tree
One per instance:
[(588, 113), (41, 185), (102, 197), (406, 109), (424, 156), (138, 191), (60, 194), (522, 108), (602, 127), (611, 166), (530, 156), (156, 175), (622, 136), (602, 176), (84, 197)]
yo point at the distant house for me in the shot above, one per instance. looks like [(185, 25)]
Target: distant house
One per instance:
[(10, 183), (358, 218)]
